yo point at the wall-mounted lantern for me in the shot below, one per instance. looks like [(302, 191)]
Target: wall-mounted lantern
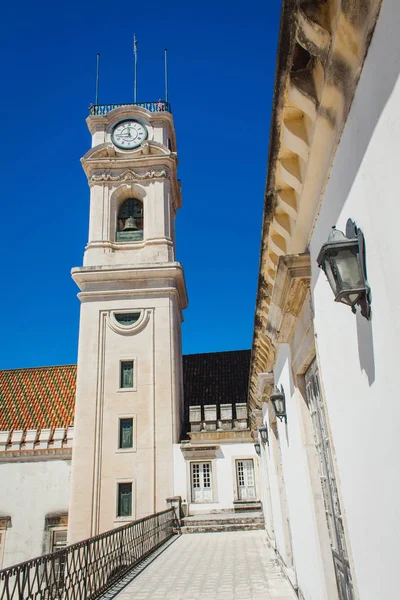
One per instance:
[(279, 403), (263, 431), (342, 258), (257, 448)]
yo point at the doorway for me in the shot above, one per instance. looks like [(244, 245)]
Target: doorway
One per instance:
[(201, 478), (245, 479)]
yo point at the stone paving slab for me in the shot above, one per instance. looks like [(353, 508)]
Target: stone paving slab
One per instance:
[(211, 566)]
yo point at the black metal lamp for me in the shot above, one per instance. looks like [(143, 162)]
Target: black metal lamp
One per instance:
[(342, 258), (263, 431), (257, 448), (279, 403)]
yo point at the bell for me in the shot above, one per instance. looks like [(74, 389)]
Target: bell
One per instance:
[(130, 224)]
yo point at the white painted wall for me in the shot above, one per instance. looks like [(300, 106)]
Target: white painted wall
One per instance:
[(302, 493), (359, 359), (28, 492), (223, 472)]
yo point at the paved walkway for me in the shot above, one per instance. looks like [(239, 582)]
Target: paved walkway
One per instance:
[(210, 566)]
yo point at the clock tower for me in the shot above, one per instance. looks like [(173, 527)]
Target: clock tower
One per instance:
[(132, 293)]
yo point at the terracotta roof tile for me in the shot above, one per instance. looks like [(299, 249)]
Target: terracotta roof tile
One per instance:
[(35, 398)]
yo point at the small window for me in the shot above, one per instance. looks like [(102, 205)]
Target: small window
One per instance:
[(126, 433), (127, 318), (59, 539), (126, 375), (124, 500)]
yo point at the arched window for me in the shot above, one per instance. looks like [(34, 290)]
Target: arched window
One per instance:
[(130, 221)]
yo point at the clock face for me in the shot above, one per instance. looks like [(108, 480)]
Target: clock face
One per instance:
[(129, 134)]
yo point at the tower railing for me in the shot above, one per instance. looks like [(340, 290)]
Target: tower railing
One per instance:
[(83, 571), (103, 109)]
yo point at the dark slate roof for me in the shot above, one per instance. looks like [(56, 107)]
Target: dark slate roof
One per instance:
[(216, 377)]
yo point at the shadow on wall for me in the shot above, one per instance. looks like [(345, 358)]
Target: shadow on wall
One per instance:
[(377, 82), (366, 347)]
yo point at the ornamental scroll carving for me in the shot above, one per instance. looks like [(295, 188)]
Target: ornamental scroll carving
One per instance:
[(129, 176)]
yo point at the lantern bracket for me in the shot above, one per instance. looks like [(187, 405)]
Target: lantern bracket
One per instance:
[(354, 232)]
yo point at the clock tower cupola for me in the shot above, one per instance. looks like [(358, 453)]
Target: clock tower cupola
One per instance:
[(132, 293)]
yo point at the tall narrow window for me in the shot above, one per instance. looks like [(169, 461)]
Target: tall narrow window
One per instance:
[(126, 433), (130, 221), (57, 542), (124, 500), (2, 544), (126, 375)]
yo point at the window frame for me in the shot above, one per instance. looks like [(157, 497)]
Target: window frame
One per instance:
[(133, 448), (53, 531), (122, 360), (131, 517), (3, 538)]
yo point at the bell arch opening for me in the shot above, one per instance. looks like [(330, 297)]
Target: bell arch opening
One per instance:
[(130, 221)]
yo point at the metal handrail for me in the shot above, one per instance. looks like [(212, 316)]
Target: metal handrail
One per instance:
[(83, 571), (103, 109)]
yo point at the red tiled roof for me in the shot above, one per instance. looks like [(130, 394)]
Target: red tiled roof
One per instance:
[(35, 398)]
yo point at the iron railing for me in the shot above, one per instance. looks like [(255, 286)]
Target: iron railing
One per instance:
[(103, 109), (83, 571)]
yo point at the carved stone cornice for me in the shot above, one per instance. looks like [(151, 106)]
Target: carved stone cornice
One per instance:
[(292, 283), (107, 151), (127, 176), (318, 68)]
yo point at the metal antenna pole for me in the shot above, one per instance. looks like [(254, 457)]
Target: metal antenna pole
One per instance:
[(166, 73), (134, 69), (97, 77)]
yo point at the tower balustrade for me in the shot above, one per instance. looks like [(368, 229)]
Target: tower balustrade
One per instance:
[(103, 109)]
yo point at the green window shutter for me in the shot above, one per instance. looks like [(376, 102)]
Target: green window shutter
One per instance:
[(126, 433), (124, 499), (126, 374)]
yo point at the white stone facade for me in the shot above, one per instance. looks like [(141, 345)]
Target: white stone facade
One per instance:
[(354, 359)]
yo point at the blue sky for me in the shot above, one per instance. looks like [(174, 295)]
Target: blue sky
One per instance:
[(221, 66)]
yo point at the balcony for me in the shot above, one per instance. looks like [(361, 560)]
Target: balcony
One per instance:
[(103, 109), (85, 570)]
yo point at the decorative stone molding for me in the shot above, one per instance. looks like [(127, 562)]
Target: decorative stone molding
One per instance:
[(264, 379), (133, 329), (36, 442), (127, 176), (4, 438), (231, 436), (317, 73), (16, 439), (56, 520), (206, 418), (292, 283), (199, 452), (30, 438), (5, 522)]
